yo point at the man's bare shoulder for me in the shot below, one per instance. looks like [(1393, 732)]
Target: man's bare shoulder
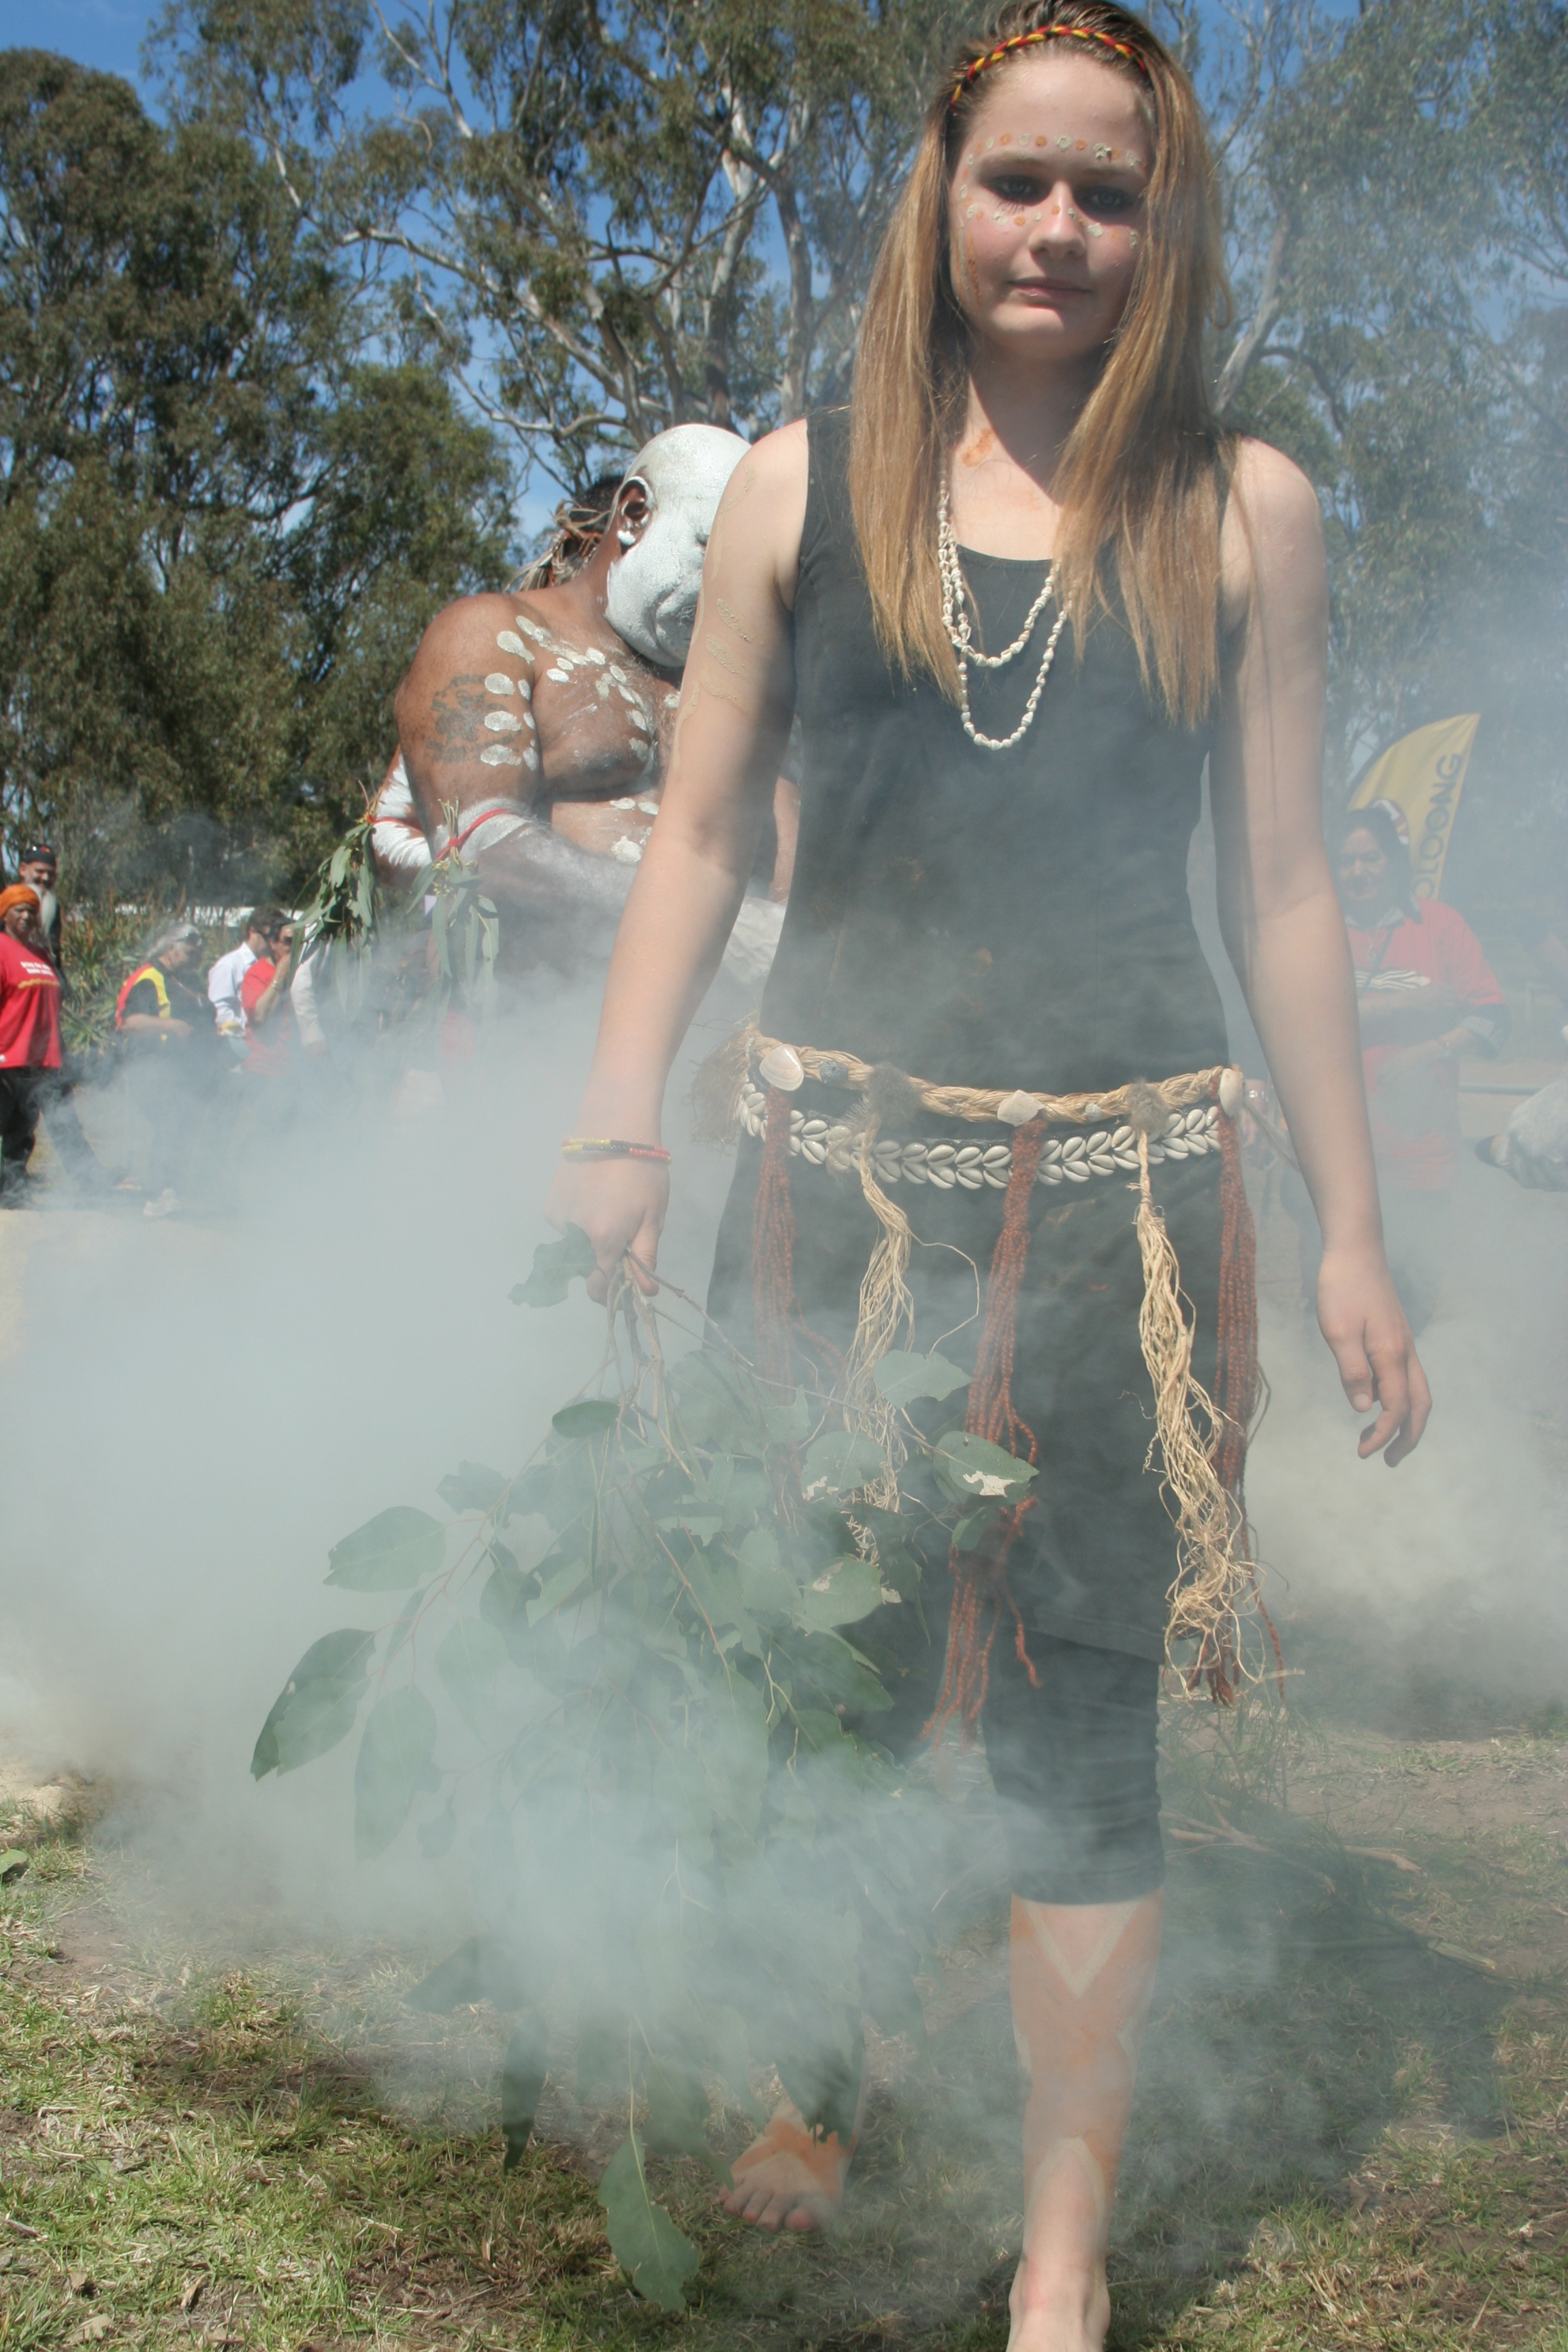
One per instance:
[(464, 629)]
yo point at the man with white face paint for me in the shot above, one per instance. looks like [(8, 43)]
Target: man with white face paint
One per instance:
[(533, 728)]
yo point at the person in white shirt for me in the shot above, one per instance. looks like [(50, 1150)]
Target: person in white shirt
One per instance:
[(224, 978)]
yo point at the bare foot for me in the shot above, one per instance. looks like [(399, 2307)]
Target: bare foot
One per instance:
[(1059, 2315), (788, 2180)]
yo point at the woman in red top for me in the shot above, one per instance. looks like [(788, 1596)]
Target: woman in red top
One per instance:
[(269, 1009), (29, 1034)]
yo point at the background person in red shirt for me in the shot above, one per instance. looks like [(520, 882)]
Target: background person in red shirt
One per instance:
[(29, 1034), (1425, 994), (268, 1009)]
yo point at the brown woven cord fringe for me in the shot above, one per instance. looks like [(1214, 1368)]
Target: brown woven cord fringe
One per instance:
[(773, 1247), (979, 1577), (1194, 1441), (1238, 1382), (1236, 1363)]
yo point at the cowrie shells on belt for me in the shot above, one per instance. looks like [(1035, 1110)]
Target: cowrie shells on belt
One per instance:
[(1017, 1108), (781, 1066), (1230, 1092)]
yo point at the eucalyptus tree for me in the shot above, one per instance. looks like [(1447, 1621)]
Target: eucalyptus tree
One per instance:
[(1402, 256), (221, 515), (610, 220)]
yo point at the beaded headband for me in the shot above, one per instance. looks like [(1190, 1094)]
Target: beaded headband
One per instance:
[(1043, 33)]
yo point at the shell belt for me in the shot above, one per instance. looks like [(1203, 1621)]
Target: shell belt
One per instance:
[(1070, 1160), (1201, 1440)]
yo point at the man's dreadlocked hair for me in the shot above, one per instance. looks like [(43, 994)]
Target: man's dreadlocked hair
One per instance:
[(581, 523)]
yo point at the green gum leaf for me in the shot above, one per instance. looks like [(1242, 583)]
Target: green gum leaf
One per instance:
[(396, 1550), (658, 2258)]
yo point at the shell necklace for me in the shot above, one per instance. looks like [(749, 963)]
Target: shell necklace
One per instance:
[(955, 617)]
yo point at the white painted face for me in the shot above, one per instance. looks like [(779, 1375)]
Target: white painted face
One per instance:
[(651, 592)]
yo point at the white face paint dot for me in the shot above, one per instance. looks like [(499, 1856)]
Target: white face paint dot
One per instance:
[(1062, 140), (498, 683), (1095, 229), (973, 212), (503, 722), (512, 644)]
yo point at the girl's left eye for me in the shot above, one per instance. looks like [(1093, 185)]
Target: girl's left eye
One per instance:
[(1016, 189)]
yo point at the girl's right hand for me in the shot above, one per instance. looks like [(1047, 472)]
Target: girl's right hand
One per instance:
[(620, 1204)]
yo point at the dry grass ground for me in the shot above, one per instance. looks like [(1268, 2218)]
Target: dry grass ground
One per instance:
[(1352, 2128)]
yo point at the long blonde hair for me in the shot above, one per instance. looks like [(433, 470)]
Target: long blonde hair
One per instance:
[(1145, 469)]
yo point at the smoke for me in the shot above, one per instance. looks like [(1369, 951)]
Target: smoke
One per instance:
[(197, 1410)]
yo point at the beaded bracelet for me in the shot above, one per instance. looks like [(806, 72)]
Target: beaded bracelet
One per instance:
[(608, 1147)]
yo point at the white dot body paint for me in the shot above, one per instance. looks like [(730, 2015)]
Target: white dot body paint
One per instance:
[(503, 722), (496, 683), (622, 805), (562, 676), (398, 837), (510, 642), (530, 759), (501, 755), (629, 852), (593, 655)]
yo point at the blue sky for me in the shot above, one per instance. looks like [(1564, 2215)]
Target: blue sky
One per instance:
[(97, 32)]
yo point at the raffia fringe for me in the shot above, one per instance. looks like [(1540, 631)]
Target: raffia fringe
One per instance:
[(1216, 1581)]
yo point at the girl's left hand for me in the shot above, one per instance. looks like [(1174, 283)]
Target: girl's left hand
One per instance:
[(1361, 1318)]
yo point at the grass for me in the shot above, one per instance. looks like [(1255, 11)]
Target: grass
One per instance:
[(1346, 2136)]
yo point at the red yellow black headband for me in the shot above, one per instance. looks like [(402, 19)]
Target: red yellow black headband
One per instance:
[(1044, 33)]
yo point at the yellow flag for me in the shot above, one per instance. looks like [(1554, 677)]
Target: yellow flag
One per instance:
[(1423, 772)]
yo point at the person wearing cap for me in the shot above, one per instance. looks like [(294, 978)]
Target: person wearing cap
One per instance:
[(172, 1056), (29, 1034), (38, 871)]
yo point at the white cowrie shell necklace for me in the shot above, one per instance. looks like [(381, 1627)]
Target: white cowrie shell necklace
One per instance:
[(956, 616)]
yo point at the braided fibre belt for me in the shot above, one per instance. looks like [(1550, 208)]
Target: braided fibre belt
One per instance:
[(1072, 1160)]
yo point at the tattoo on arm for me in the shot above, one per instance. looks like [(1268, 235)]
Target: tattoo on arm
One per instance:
[(455, 732)]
